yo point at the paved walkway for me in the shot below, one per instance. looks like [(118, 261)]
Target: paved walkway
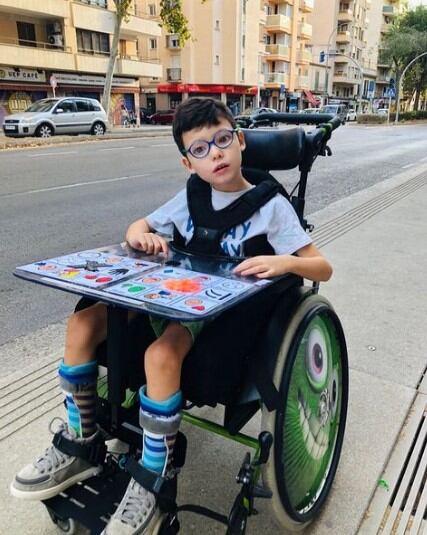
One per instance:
[(376, 241)]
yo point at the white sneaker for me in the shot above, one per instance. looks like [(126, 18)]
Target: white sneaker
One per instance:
[(137, 514)]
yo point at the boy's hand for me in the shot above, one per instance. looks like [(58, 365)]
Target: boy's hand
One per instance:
[(264, 266), (139, 237)]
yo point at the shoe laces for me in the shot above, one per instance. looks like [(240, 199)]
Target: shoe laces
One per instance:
[(52, 458), (136, 506)]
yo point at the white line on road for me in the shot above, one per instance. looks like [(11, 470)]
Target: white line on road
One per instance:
[(50, 154), (407, 166), (163, 145), (423, 159), (69, 186), (117, 148)]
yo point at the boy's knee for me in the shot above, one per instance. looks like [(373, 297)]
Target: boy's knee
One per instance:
[(162, 357), (85, 324)]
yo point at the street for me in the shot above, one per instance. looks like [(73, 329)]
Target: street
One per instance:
[(58, 199)]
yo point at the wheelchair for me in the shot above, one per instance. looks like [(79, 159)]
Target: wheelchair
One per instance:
[(296, 375)]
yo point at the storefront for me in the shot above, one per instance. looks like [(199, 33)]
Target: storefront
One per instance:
[(236, 97), (124, 92), (19, 88)]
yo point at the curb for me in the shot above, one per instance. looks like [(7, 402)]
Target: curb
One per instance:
[(30, 142)]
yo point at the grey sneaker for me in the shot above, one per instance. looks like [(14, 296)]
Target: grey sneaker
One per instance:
[(137, 513), (54, 471)]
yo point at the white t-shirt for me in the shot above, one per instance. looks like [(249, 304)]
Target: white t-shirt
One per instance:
[(276, 219)]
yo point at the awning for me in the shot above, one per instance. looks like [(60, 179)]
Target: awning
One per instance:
[(205, 88), (311, 98)]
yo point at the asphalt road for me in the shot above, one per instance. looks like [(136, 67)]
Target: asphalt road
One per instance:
[(57, 199)]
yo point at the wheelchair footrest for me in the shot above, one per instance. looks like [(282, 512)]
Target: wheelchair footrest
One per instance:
[(93, 501)]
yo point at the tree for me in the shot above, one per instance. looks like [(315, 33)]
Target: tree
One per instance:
[(406, 40), (122, 14), (172, 18)]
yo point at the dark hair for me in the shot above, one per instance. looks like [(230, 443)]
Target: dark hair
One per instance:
[(198, 112)]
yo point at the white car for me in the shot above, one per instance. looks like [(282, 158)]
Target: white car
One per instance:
[(351, 115), (382, 111), (68, 115)]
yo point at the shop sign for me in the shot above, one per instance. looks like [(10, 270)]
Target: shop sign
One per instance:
[(16, 74), (92, 79)]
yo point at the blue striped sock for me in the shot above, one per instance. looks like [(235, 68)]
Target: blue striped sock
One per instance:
[(79, 386), (157, 446)]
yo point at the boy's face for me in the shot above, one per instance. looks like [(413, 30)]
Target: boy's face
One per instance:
[(220, 167)]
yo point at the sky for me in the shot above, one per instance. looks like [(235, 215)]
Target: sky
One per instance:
[(414, 3)]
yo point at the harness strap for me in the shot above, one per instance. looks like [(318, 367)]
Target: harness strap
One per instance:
[(93, 452)]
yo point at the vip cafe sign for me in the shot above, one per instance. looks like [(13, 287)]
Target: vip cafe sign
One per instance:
[(16, 74)]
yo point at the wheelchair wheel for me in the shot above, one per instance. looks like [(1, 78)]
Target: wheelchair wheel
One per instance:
[(311, 375)]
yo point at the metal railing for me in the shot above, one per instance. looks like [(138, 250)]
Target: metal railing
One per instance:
[(96, 3), (27, 43)]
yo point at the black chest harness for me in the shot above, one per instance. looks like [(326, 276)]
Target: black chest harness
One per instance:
[(210, 225)]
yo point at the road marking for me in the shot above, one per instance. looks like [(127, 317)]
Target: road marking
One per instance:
[(423, 159), (408, 165), (117, 148), (69, 186), (50, 154), (163, 145)]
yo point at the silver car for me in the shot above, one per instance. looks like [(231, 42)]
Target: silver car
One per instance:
[(68, 115)]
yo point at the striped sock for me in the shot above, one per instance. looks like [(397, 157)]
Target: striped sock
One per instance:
[(160, 421), (79, 386)]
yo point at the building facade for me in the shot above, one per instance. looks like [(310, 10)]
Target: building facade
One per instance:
[(246, 53), (66, 44)]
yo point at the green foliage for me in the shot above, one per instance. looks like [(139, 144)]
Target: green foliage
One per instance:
[(123, 8), (371, 118), (174, 20), (420, 115)]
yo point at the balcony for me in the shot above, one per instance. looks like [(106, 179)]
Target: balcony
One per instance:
[(305, 30), (390, 11), (276, 79), (302, 82), (278, 23), (385, 27), (89, 17), (346, 15), (39, 55), (126, 65), (304, 56), (174, 74), (343, 37), (35, 8), (278, 53), (307, 6), (384, 80), (342, 77), (172, 42)]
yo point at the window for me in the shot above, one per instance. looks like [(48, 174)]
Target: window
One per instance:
[(83, 105), (26, 34), (243, 41), (67, 106), (216, 60), (96, 106), (152, 43), (217, 25), (92, 42), (316, 80), (243, 73), (152, 9)]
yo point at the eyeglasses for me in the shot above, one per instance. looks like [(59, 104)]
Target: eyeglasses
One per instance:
[(201, 148)]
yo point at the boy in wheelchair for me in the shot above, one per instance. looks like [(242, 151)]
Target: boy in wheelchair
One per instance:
[(219, 213)]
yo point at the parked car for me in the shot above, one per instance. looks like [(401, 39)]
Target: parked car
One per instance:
[(310, 110), (49, 116), (351, 115), (246, 119), (144, 115), (162, 117), (336, 109), (382, 111)]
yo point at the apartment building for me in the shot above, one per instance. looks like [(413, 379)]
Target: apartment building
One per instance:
[(390, 9), (68, 42), (246, 53)]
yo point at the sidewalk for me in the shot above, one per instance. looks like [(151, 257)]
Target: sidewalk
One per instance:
[(375, 240), (117, 132)]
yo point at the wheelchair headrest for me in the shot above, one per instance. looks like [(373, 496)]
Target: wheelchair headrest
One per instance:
[(274, 149)]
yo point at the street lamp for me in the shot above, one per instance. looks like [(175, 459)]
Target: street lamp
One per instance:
[(399, 87), (335, 53), (328, 46)]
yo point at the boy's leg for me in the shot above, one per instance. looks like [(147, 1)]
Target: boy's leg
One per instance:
[(160, 417), (55, 470)]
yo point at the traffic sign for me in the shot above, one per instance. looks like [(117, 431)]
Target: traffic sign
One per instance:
[(390, 92)]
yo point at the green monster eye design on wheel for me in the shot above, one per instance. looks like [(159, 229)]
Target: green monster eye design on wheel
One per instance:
[(316, 359), (312, 412)]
